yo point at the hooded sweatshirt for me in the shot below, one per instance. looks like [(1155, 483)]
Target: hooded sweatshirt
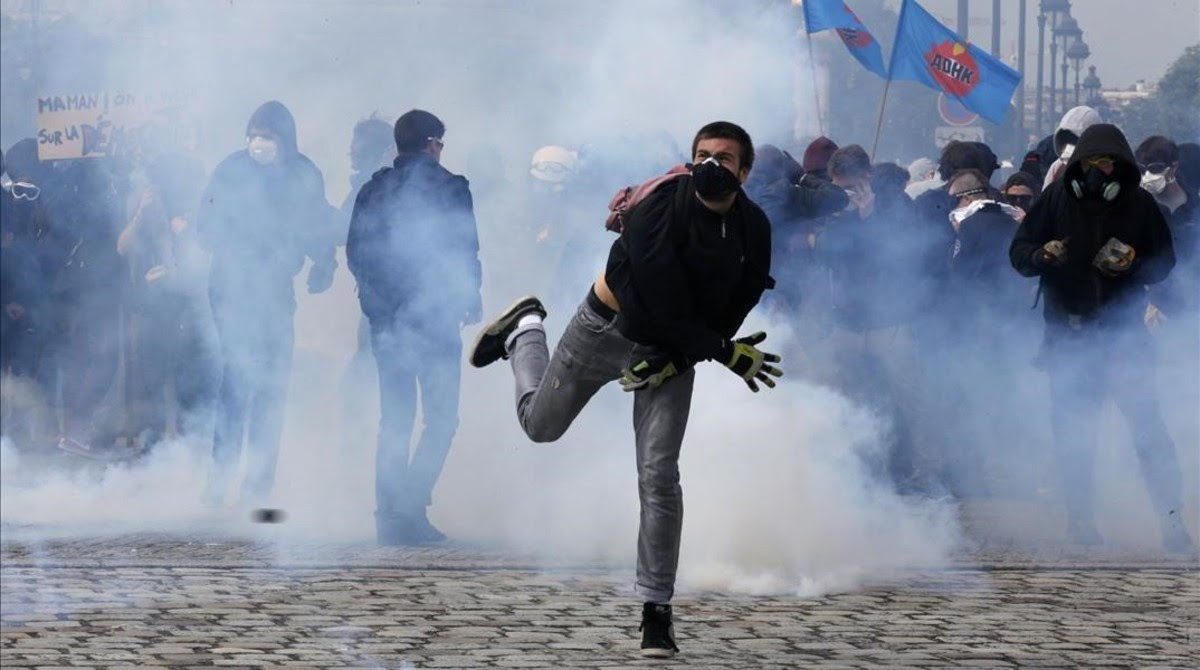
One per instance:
[(1077, 292), (1074, 122), (260, 221)]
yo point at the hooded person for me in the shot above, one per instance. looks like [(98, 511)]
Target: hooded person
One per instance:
[(1095, 240), (262, 214), (1066, 137), (923, 176)]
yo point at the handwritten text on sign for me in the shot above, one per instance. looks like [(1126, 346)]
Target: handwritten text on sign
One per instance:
[(100, 124)]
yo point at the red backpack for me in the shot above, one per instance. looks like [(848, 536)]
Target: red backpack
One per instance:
[(624, 200)]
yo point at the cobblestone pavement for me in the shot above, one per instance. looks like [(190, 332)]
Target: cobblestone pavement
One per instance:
[(152, 600)]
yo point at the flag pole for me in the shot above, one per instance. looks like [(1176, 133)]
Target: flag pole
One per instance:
[(887, 85), (879, 124), (812, 65)]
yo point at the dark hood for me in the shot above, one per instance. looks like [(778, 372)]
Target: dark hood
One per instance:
[(275, 117), (1105, 139)]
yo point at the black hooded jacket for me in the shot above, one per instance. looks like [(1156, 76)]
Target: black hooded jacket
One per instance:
[(685, 276), (1077, 288), (260, 221)]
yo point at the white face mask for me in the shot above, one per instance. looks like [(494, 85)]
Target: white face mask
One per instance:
[(1067, 151), (1154, 183), (262, 150)]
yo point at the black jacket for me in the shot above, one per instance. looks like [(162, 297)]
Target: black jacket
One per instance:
[(794, 211), (685, 276), (979, 273), (413, 243), (1078, 289)]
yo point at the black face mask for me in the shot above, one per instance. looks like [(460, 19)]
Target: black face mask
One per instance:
[(1022, 201), (713, 181)]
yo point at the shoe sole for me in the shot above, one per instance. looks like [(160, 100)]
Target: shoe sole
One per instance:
[(658, 653), (520, 307)]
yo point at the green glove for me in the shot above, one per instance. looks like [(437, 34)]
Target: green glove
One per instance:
[(750, 364), (649, 369)]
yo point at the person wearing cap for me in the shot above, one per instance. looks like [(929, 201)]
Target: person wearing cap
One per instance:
[(559, 226), (1095, 240), (413, 248), (816, 157)]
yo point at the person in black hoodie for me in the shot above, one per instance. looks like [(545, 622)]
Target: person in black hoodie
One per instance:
[(1095, 240), (414, 250), (262, 213), (693, 260)]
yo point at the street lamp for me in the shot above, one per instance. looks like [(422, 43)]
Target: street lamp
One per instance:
[(1054, 8), (1078, 52), (1091, 84), (1067, 30)]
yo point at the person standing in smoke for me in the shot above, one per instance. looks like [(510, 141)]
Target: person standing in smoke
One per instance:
[(24, 291), (558, 216), (1158, 159), (89, 289), (1066, 138), (793, 200), (1096, 240), (371, 147), (693, 260), (169, 325), (984, 307), (413, 247), (877, 256), (263, 212)]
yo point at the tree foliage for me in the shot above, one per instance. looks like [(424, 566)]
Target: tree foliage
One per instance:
[(1174, 109)]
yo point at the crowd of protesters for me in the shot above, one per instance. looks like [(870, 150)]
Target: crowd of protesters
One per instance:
[(143, 299)]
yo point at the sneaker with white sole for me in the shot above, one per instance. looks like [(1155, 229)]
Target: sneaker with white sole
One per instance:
[(658, 633), (489, 345)]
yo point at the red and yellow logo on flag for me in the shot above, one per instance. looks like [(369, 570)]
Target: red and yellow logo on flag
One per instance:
[(953, 67)]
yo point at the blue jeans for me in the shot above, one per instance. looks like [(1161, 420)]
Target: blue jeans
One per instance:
[(552, 391), (408, 356)]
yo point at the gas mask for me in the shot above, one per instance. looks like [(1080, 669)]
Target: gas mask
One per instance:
[(1154, 183), (713, 181), (262, 150)]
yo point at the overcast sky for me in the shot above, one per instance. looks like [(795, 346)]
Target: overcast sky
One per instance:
[(1129, 39)]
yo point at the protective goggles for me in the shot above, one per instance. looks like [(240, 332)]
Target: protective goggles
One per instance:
[(1154, 168), (1102, 162), (23, 190)]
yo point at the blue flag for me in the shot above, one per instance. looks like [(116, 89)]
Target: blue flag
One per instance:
[(930, 53), (834, 14)]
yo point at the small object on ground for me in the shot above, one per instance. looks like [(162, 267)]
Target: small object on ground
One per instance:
[(267, 515)]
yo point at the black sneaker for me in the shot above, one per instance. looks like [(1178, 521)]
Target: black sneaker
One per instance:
[(658, 633), (489, 345)]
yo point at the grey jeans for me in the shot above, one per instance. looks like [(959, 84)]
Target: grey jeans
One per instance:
[(552, 391)]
